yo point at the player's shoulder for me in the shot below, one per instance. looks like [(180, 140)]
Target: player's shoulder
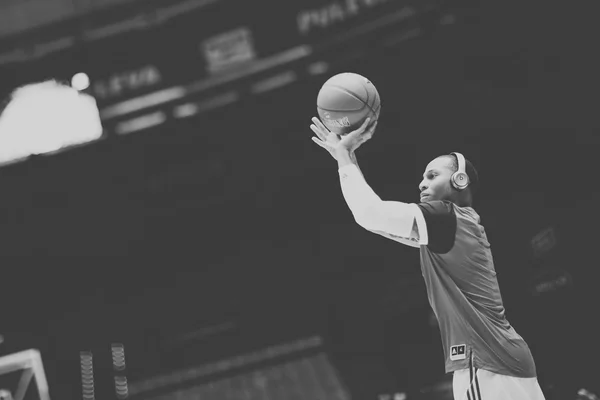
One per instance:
[(437, 208), (441, 222)]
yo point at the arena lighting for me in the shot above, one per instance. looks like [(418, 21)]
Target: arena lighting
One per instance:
[(46, 117), (80, 81)]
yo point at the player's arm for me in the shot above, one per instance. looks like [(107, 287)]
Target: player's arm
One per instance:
[(400, 221), (431, 223)]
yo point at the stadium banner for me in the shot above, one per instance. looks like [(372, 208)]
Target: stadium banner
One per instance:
[(192, 48), (318, 21), (151, 49)]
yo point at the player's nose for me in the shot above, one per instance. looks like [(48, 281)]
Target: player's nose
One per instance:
[(422, 186)]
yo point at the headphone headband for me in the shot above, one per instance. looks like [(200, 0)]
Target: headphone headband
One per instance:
[(460, 179)]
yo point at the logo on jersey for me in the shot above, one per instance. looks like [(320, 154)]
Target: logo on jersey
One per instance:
[(458, 352)]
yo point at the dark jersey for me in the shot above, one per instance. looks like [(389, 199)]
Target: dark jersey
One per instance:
[(463, 291)]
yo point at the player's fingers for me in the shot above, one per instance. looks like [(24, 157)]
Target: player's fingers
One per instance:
[(369, 132), (372, 123), (372, 128), (318, 132), (323, 145), (320, 143), (320, 125), (364, 126), (358, 132)]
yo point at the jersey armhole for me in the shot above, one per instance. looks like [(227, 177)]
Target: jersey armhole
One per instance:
[(421, 226)]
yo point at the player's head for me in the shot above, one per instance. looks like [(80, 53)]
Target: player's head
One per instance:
[(437, 181)]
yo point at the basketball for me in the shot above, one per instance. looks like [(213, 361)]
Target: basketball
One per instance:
[(345, 101)]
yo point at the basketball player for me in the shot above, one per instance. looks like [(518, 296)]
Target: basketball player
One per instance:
[(488, 359)]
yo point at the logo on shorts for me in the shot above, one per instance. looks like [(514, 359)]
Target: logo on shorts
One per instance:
[(458, 352)]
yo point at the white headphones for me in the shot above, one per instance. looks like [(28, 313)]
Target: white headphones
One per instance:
[(460, 179)]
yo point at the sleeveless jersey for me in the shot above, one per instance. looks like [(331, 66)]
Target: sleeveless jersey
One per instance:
[(463, 291)]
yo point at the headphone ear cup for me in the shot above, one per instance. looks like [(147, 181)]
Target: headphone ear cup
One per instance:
[(460, 180)]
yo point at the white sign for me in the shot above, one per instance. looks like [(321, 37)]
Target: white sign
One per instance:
[(332, 13), (229, 49), (128, 81)]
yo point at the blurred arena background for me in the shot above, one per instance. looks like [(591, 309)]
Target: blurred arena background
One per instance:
[(199, 247)]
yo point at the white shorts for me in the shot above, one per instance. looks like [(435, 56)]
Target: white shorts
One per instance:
[(479, 384)]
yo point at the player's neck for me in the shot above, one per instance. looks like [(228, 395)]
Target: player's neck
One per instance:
[(462, 200)]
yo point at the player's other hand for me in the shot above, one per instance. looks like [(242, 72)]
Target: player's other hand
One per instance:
[(334, 143)]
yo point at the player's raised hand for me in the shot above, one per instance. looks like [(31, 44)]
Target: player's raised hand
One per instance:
[(325, 138), (356, 138), (334, 143)]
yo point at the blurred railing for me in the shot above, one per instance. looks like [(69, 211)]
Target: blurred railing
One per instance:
[(300, 368)]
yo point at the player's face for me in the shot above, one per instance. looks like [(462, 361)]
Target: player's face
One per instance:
[(436, 180)]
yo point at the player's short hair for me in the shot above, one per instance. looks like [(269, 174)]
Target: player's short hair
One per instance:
[(470, 170)]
